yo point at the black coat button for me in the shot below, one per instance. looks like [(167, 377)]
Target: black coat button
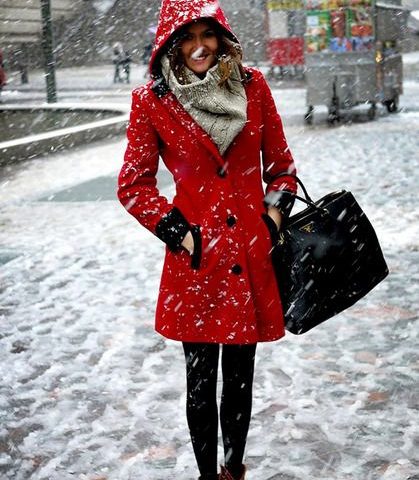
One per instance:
[(231, 221), (221, 172), (236, 269)]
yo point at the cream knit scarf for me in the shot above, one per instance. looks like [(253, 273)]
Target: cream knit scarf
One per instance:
[(220, 112)]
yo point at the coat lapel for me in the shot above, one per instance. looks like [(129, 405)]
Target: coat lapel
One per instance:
[(181, 116)]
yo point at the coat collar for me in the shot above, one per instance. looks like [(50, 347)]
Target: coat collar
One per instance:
[(168, 99), (161, 88)]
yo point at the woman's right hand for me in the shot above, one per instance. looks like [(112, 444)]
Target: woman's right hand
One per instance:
[(188, 243)]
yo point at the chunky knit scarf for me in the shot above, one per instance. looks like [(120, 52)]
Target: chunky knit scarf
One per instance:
[(220, 112)]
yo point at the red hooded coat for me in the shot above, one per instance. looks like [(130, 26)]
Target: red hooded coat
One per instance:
[(226, 292)]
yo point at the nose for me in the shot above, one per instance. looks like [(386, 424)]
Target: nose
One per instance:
[(199, 42)]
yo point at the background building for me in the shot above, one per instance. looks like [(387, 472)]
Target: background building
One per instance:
[(85, 30), (20, 28)]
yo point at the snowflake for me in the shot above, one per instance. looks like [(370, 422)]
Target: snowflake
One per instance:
[(209, 10)]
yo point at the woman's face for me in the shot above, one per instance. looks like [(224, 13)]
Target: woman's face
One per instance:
[(199, 47)]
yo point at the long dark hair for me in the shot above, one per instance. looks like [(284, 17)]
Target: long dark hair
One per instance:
[(228, 53)]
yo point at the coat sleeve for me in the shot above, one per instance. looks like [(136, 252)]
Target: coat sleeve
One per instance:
[(137, 183), (276, 156)]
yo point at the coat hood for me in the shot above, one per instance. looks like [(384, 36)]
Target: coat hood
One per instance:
[(174, 14)]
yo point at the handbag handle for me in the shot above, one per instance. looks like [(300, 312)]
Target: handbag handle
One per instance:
[(308, 200)]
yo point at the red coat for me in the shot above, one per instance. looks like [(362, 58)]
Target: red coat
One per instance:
[(225, 293)]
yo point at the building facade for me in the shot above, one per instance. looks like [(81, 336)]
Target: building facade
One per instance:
[(21, 27), (85, 30)]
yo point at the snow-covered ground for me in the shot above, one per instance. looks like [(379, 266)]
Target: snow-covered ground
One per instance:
[(90, 392)]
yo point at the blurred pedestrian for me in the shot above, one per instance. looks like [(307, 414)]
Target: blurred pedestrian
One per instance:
[(3, 78), (22, 64), (209, 118), (117, 59), (126, 66), (147, 53)]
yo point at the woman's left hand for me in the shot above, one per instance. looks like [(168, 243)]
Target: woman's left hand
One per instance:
[(276, 216)]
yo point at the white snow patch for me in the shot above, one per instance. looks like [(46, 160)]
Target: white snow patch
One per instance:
[(103, 5), (411, 58), (209, 10), (197, 53)]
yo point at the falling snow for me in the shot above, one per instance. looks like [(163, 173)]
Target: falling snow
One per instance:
[(89, 391)]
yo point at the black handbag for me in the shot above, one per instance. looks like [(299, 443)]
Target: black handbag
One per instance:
[(326, 258)]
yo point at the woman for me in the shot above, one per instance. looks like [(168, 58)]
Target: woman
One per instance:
[(209, 118)]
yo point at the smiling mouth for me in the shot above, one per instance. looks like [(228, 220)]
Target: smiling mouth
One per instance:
[(200, 55), (200, 58)]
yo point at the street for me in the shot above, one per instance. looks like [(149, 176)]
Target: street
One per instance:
[(89, 391)]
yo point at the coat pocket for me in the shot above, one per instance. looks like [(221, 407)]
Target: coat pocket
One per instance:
[(197, 252)]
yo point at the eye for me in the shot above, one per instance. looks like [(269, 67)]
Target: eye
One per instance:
[(209, 34), (186, 37)]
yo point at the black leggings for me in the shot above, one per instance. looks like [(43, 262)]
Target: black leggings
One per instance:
[(237, 364)]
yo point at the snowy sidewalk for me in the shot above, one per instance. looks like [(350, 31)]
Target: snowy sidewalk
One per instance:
[(81, 79), (90, 392), (74, 84), (89, 80)]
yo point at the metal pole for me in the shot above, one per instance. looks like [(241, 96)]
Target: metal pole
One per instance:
[(48, 47), (266, 27)]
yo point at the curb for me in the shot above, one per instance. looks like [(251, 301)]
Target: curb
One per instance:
[(56, 140)]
